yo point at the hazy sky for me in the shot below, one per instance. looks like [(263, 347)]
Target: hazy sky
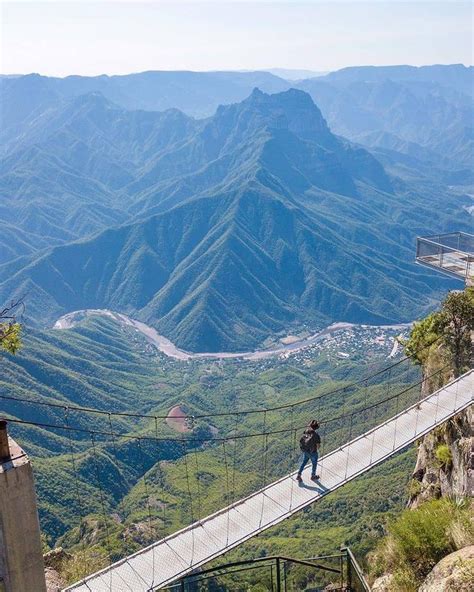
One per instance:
[(60, 38)]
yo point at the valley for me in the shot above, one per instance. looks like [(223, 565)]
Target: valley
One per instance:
[(106, 364), (375, 335), (216, 232), (208, 261)]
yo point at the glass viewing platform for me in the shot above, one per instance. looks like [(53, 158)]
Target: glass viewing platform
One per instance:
[(451, 253)]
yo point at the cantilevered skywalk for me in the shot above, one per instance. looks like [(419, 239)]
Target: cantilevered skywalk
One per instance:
[(177, 555)]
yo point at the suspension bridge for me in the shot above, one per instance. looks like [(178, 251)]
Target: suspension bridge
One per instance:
[(179, 554)]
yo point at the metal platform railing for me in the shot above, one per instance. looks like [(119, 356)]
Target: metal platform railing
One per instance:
[(452, 253), (340, 571)]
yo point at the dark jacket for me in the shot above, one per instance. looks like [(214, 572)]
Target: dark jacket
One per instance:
[(310, 441)]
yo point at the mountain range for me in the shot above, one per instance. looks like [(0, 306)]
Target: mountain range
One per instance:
[(425, 112), (219, 231)]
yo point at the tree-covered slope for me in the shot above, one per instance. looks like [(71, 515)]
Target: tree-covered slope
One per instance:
[(232, 271), (276, 222)]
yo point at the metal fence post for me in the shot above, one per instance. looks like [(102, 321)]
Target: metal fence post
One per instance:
[(456, 396), (396, 421), (341, 567), (278, 575), (349, 571), (372, 448), (437, 408)]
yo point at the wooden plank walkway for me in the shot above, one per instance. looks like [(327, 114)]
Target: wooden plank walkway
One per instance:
[(180, 553)]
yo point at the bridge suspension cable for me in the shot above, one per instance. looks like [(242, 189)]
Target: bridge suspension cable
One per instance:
[(243, 412), (167, 438)]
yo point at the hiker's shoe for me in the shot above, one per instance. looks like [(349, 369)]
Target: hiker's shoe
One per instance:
[(299, 478), (315, 478)]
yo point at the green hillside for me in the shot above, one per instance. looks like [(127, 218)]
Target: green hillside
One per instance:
[(144, 486)]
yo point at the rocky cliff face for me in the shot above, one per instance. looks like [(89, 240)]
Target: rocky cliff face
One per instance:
[(445, 463)]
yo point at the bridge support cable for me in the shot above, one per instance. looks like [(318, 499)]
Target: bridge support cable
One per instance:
[(198, 483), (150, 520), (293, 451), (77, 488), (163, 502), (348, 447), (234, 464), (226, 495), (264, 460), (102, 504), (188, 485), (365, 450), (114, 440)]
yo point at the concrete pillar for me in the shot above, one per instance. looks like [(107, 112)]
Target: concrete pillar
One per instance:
[(21, 556)]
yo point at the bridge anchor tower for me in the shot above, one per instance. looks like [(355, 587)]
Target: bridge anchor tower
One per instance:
[(21, 557)]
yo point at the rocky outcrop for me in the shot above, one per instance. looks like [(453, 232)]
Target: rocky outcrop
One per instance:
[(445, 463), (383, 584), (53, 563), (54, 583), (454, 573), (56, 558)]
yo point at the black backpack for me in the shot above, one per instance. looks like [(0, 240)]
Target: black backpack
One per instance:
[(306, 441)]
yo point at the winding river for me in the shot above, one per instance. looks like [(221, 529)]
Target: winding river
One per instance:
[(168, 348)]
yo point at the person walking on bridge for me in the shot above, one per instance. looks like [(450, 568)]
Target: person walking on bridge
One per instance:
[(310, 442)]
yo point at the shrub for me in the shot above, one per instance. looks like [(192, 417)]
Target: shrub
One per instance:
[(83, 563), (404, 580), (419, 538), (443, 455), (451, 326), (422, 336), (421, 535), (414, 488), (461, 529)]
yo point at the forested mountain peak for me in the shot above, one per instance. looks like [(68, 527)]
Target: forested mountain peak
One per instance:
[(292, 110)]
